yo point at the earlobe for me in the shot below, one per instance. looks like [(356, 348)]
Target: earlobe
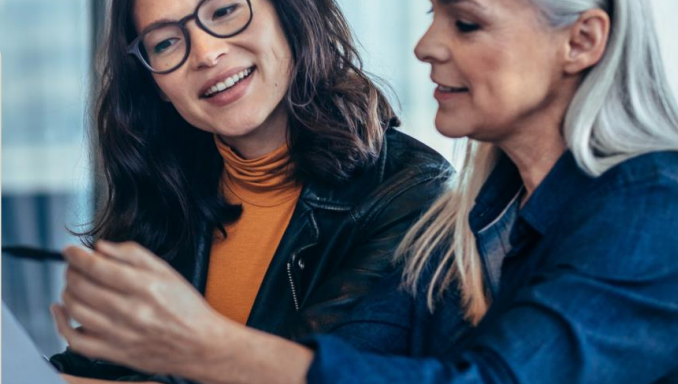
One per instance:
[(587, 41)]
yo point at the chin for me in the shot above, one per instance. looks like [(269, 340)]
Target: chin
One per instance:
[(452, 128), (238, 126)]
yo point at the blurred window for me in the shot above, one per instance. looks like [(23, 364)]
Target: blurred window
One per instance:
[(46, 61)]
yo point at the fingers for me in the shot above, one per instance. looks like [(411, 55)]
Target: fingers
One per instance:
[(80, 341), (102, 310), (81, 287), (131, 253), (93, 319), (104, 271)]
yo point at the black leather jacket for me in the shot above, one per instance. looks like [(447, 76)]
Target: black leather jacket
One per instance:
[(337, 246)]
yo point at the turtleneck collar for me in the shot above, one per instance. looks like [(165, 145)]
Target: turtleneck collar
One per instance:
[(265, 181)]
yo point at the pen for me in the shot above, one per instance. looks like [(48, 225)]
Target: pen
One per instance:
[(33, 253)]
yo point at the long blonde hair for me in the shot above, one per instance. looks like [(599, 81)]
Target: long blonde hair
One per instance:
[(622, 109)]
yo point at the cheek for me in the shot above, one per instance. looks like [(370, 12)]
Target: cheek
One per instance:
[(280, 60), (510, 86), (170, 87)]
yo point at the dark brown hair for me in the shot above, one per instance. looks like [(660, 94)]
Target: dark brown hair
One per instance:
[(161, 176)]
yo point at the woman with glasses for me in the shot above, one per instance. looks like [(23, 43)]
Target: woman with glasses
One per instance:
[(558, 240), (240, 141)]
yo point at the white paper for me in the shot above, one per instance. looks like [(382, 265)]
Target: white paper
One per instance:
[(22, 363)]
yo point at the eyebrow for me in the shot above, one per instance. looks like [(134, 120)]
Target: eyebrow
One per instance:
[(458, 2), (157, 23)]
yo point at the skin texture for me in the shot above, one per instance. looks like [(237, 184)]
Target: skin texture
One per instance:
[(520, 74), (138, 311), (255, 124)]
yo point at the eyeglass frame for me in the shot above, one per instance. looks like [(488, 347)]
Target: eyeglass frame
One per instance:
[(133, 47)]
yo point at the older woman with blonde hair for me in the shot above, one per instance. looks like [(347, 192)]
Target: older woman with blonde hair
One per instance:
[(553, 257)]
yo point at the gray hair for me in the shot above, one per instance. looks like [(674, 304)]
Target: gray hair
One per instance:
[(623, 108)]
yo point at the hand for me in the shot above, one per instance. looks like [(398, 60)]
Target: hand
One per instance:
[(135, 310)]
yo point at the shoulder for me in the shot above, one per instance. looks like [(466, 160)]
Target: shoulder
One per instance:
[(406, 171), (655, 168), (628, 213), (403, 153), (408, 177), (644, 179)]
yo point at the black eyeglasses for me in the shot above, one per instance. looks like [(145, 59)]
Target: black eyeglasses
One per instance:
[(164, 47)]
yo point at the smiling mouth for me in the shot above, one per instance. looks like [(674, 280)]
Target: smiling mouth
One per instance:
[(228, 83), (452, 89)]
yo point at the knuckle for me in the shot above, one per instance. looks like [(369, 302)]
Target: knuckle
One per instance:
[(142, 314), (129, 246)]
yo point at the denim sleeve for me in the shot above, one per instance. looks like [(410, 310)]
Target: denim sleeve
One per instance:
[(602, 309), (381, 322)]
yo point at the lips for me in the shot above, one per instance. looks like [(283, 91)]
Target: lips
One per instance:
[(446, 93), (225, 81), (445, 89)]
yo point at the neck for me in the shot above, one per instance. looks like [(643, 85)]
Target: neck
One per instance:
[(263, 140), (538, 143), (535, 148), (534, 159)]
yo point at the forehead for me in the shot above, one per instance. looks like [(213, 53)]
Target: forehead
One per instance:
[(487, 5), (146, 12)]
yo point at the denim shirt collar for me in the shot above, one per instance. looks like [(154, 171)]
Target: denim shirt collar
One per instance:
[(562, 183), (500, 188)]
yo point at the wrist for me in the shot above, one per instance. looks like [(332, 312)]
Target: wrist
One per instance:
[(238, 354), (216, 345)]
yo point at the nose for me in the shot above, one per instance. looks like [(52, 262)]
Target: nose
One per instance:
[(206, 50), (433, 46)]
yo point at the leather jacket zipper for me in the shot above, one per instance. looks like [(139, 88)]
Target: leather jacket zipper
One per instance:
[(294, 291)]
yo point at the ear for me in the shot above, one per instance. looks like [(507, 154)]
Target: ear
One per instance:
[(587, 41)]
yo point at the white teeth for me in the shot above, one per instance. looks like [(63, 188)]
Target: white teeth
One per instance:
[(228, 83)]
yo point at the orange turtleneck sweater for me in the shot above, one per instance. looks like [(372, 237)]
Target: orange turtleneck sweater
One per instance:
[(238, 263)]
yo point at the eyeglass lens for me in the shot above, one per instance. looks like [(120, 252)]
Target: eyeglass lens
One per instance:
[(165, 48)]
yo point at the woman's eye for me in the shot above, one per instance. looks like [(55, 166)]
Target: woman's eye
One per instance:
[(222, 12), (465, 27), (164, 45)]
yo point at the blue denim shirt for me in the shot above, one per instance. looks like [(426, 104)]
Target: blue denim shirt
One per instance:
[(587, 290), (392, 321)]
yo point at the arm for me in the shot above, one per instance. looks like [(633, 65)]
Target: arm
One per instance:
[(366, 264), (606, 311)]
